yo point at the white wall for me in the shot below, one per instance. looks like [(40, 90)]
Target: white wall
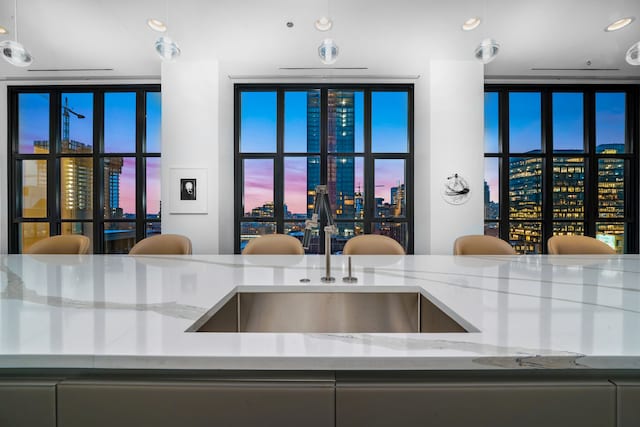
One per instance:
[(457, 128), (190, 140)]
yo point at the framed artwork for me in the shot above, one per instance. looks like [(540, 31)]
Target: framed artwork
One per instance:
[(188, 194)]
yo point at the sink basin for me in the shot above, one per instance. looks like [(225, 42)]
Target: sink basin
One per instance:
[(327, 312)]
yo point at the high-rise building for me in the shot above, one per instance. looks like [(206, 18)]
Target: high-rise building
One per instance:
[(340, 139), (340, 169), (525, 197), (398, 200), (112, 169)]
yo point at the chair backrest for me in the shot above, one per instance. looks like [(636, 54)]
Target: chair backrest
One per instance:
[(274, 244), (66, 244), (162, 244), (478, 244), (578, 245), (372, 244)]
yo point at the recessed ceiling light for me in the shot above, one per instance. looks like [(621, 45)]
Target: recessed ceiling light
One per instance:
[(620, 24), (3, 30), (633, 54), (323, 24), (157, 25), (471, 24)]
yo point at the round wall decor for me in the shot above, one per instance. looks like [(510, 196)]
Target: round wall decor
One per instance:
[(455, 190)]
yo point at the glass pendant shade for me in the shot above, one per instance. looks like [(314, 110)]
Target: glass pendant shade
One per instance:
[(167, 49), (633, 54), (328, 51), (487, 50), (15, 54)]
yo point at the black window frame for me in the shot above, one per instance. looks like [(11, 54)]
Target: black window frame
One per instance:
[(590, 155), (369, 158), (54, 156)]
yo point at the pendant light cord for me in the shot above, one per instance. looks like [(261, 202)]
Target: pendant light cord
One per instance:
[(15, 18)]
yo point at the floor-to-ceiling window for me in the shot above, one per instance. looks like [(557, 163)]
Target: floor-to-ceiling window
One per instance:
[(561, 160), (84, 160), (355, 139)]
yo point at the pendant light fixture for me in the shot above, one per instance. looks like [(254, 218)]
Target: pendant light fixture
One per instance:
[(328, 49), (488, 48), (165, 47), (12, 51), (633, 54)]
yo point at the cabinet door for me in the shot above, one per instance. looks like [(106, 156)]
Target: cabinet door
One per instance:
[(628, 403), (478, 404), (195, 403), (27, 403)]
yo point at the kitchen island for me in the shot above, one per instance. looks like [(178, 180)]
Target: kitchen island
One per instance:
[(555, 339)]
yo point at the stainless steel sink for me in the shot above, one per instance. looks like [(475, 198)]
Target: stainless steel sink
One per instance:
[(326, 312)]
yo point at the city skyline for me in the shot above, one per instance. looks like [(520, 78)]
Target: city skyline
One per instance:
[(258, 134), (610, 125), (120, 130)]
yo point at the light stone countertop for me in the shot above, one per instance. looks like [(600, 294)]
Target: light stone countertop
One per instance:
[(122, 312)]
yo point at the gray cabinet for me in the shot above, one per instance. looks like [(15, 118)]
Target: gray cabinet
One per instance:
[(195, 403), (25, 403), (628, 403), (477, 403)]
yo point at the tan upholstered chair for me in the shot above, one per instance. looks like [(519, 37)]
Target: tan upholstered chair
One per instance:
[(578, 245), (69, 244), (478, 244), (274, 244), (162, 244), (372, 244)]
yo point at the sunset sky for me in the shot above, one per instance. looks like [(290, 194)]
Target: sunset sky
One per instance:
[(258, 134)]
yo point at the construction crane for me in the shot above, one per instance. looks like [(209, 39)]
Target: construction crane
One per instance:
[(65, 118)]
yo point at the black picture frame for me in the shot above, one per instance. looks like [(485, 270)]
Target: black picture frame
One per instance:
[(188, 187)]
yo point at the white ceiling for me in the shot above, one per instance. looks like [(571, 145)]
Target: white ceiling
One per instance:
[(384, 36)]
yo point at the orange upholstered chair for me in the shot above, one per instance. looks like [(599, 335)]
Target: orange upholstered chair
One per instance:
[(69, 244), (578, 245), (478, 244), (162, 244), (274, 244), (372, 244)]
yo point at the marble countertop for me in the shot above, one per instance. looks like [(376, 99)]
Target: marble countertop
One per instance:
[(121, 312)]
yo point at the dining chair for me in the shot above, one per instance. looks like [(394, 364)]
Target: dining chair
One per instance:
[(163, 244), (274, 244), (372, 244), (577, 245), (479, 244), (68, 244)]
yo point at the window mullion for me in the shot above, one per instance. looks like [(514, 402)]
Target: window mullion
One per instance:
[(369, 179), (98, 196), (547, 169), (324, 155), (591, 165), (140, 190), (278, 166), (503, 167)]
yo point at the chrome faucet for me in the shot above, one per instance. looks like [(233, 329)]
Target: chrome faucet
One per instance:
[(321, 204)]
